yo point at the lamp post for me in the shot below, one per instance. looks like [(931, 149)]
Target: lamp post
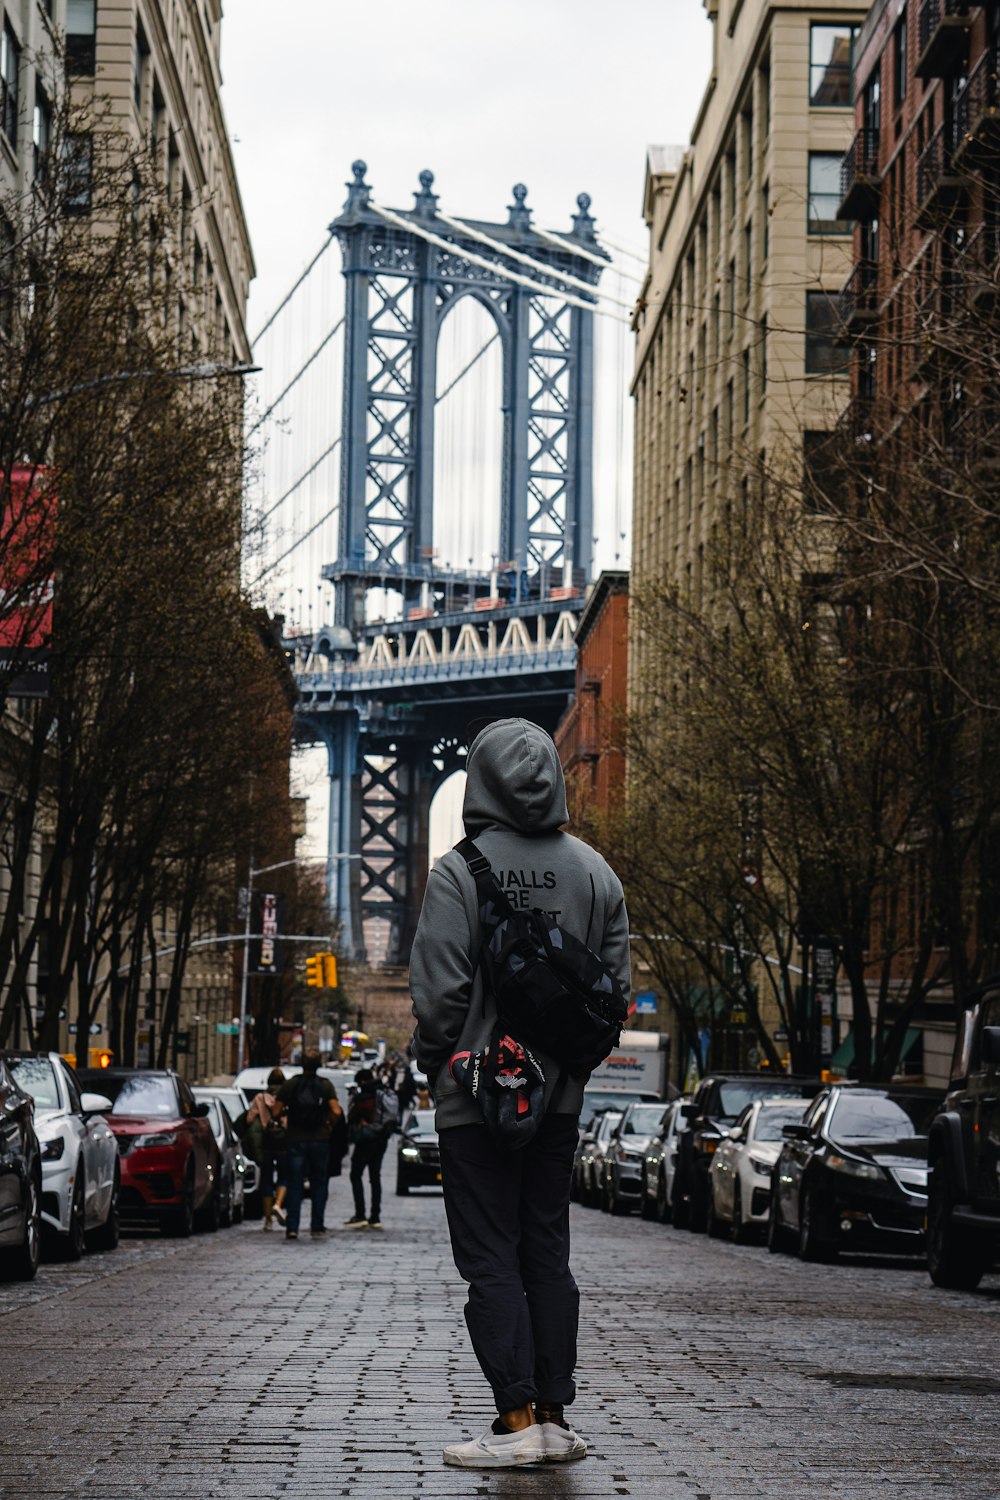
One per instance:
[(282, 864), (185, 372)]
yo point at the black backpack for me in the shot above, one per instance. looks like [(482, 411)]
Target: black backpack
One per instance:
[(309, 1108), (552, 992)]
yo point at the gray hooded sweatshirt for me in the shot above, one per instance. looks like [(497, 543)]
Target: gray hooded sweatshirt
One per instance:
[(515, 802)]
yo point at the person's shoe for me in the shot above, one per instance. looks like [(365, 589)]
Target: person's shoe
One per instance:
[(279, 1214), (561, 1444), (291, 1234), (267, 1224), (356, 1221), (317, 1232), (498, 1449), (374, 1223)]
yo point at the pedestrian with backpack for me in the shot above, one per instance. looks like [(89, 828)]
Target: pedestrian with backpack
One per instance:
[(372, 1118), (311, 1107), (519, 977)]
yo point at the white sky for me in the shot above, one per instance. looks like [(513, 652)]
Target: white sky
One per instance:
[(563, 95)]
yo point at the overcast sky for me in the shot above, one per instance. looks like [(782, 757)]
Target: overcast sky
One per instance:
[(563, 95)]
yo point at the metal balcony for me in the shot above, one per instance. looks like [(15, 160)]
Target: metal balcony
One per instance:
[(977, 112), (939, 184), (943, 34), (860, 179), (859, 299), (979, 267)]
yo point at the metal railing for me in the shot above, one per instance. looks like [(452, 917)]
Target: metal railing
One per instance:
[(860, 163), (977, 100), (859, 297), (934, 171), (932, 13)]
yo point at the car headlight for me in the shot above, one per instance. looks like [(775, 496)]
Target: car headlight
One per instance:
[(156, 1138), (411, 1153), (854, 1168), (760, 1165), (53, 1150)]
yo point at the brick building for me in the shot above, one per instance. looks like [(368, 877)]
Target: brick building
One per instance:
[(590, 736)]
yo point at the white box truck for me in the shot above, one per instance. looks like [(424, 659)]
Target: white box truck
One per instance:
[(638, 1065)]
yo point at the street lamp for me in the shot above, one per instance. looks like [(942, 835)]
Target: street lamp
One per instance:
[(282, 864), (186, 372)]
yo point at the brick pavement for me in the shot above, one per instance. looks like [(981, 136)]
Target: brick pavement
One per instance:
[(236, 1367)]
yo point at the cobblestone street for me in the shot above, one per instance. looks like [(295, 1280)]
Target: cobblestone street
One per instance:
[(238, 1366)]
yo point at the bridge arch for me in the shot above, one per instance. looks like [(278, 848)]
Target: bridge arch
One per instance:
[(469, 435)]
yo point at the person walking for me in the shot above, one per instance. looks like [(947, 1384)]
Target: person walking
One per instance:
[(264, 1140), (310, 1108), (370, 1124), (508, 1210)]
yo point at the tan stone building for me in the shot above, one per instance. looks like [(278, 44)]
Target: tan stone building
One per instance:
[(733, 348)]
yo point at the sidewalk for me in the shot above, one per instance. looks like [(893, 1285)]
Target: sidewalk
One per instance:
[(238, 1367)]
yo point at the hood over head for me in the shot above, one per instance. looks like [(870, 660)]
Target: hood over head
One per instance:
[(514, 780)]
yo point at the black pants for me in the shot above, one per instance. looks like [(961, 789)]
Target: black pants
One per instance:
[(508, 1213), (368, 1154)]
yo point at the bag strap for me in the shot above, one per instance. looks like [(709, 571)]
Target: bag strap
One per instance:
[(489, 891)]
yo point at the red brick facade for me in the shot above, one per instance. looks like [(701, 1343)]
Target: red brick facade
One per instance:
[(590, 737)]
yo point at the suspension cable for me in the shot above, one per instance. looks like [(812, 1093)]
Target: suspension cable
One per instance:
[(412, 227), (463, 372), (298, 541), (300, 481), (461, 227), (296, 378), (624, 250), (289, 295)]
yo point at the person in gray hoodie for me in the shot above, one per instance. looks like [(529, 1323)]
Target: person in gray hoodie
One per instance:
[(508, 1211)]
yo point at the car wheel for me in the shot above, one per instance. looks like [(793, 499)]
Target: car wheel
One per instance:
[(23, 1262), (777, 1234), (647, 1203), (813, 1244), (181, 1221), (741, 1231), (209, 1216), (238, 1212), (226, 1212), (107, 1235), (664, 1211), (714, 1226), (76, 1239), (957, 1258), (697, 1220), (402, 1186)]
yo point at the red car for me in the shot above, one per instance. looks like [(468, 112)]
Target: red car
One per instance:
[(169, 1157)]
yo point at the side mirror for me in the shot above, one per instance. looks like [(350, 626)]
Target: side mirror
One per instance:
[(688, 1112), (796, 1132), (200, 1112), (736, 1134), (95, 1104), (991, 1044)]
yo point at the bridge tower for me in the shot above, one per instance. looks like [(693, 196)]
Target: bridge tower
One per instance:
[(393, 732)]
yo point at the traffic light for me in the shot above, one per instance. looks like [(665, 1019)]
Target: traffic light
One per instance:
[(100, 1057), (314, 971), (330, 970)]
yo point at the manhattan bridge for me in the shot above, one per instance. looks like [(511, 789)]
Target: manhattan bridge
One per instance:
[(383, 470)]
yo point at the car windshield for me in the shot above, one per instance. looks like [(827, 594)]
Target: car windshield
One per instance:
[(142, 1096), (421, 1122), (869, 1117), (644, 1119), (608, 1123), (595, 1099), (771, 1122), (232, 1104), (734, 1097), (37, 1077)]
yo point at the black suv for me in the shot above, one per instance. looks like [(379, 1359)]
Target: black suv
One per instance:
[(20, 1180), (715, 1105), (963, 1204)]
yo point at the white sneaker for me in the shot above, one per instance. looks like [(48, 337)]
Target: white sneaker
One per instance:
[(498, 1449), (561, 1444)]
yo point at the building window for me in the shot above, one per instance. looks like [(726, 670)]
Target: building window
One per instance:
[(824, 477), (824, 355), (141, 53), (41, 133), (763, 356), (831, 60), (899, 60), (746, 387), (78, 172), (81, 38), (824, 193), (747, 262), (10, 67)]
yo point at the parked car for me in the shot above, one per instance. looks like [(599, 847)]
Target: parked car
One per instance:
[(853, 1174), (251, 1081), (233, 1100), (588, 1162), (169, 1159), (596, 1101), (20, 1180), (963, 1207), (418, 1158), (81, 1174), (660, 1163), (621, 1182), (237, 1173), (740, 1174), (716, 1104)]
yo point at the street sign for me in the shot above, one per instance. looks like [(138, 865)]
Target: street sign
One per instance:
[(738, 1017), (645, 1003), (182, 1042), (96, 1028), (227, 1028), (781, 1035)]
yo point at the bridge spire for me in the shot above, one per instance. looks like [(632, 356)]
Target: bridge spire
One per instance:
[(519, 214), (425, 202)]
